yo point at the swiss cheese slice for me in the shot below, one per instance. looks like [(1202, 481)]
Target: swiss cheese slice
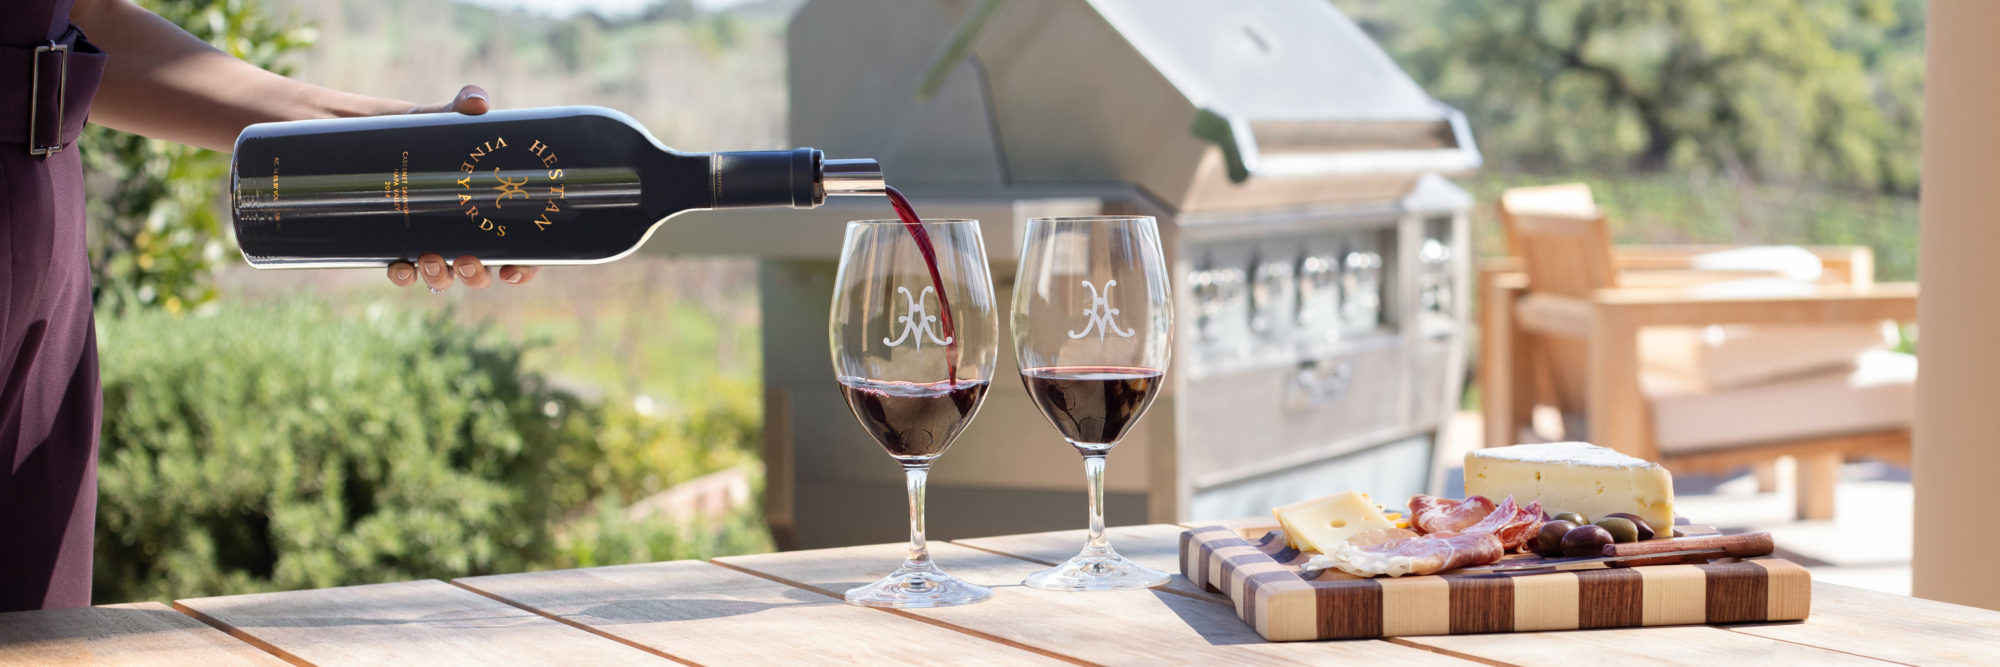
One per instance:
[(1323, 524), (1574, 477)]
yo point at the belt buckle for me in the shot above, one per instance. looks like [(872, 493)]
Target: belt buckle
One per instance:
[(35, 97)]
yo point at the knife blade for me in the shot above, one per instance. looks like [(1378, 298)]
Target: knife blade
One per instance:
[(1587, 563)]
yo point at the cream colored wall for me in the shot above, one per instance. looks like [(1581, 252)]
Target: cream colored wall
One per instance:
[(1958, 411)]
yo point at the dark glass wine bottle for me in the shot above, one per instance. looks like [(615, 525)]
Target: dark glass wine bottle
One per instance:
[(558, 185)]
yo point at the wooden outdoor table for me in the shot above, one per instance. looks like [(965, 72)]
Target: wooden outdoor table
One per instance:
[(785, 608)]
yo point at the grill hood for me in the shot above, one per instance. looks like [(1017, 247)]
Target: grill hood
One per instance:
[(1201, 104)]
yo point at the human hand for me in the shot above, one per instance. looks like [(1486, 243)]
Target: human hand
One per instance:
[(436, 274)]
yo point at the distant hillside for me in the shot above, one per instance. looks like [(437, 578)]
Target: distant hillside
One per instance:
[(700, 81)]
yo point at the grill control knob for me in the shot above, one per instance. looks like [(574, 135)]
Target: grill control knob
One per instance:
[(1270, 293), (1435, 294), (1318, 280), (1216, 291), (1361, 286), (1229, 287), (1207, 302)]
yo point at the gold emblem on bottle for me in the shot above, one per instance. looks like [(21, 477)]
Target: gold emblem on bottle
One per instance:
[(509, 188), (518, 186)]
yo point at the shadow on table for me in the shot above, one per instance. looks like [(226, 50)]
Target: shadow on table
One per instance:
[(690, 609), (97, 623), (1216, 623)]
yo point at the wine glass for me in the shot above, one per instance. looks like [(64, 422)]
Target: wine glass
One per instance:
[(914, 335), (1093, 325)]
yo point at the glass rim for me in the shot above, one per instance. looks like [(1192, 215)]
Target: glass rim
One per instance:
[(927, 221), (1093, 218)]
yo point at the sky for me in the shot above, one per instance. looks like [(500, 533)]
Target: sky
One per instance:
[(602, 7)]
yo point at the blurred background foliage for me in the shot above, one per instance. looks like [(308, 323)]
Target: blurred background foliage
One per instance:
[(1827, 92), (1782, 121), (155, 226)]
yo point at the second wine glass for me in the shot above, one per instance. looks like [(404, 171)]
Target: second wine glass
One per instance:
[(1093, 328)]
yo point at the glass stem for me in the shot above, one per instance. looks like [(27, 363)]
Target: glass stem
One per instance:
[(914, 475), (1093, 470)]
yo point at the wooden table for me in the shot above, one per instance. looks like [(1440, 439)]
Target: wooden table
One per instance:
[(785, 608)]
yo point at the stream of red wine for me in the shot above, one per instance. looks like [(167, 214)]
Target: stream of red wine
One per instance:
[(915, 225)]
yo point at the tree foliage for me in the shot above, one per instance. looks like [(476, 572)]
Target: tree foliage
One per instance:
[(1822, 91), (156, 207)]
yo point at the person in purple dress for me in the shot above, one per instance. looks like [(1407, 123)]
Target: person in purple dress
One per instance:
[(136, 73)]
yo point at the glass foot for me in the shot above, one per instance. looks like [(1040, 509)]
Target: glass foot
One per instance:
[(916, 588), (1089, 571)]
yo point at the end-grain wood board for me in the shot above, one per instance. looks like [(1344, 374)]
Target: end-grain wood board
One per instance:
[(1251, 565)]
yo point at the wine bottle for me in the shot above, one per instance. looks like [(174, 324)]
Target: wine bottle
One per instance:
[(557, 185)]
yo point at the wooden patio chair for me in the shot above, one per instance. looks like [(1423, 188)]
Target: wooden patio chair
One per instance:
[(1563, 324)]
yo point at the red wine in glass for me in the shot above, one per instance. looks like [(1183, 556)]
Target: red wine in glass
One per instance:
[(915, 225), (912, 421), (1092, 405)]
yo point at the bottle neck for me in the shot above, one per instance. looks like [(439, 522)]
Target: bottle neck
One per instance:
[(798, 178)]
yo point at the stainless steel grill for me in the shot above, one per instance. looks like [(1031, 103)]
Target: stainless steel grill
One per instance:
[(1298, 175)]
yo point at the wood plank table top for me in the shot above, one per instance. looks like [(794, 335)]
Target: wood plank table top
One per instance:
[(709, 614), (1134, 627), (784, 608), (410, 622), (144, 633)]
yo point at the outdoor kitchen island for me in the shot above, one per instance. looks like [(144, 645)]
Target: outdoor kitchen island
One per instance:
[(785, 608), (1316, 251)]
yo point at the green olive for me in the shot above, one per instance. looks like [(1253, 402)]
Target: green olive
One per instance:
[(1574, 518), (1549, 542), (1622, 530), (1645, 529), (1585, 541)]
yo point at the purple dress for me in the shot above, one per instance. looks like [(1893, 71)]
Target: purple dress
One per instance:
[(50, 403)]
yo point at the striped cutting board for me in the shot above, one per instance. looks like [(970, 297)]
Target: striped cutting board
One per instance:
[(1252, 565)]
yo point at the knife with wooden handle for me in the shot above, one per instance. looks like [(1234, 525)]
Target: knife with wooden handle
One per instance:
[(1740, 545), (1689, 550)]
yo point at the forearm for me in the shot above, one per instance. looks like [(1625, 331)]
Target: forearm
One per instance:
[(162, 82)]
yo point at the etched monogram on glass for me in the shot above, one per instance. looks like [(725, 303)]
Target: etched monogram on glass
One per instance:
[(916, 320), (1102, 315)]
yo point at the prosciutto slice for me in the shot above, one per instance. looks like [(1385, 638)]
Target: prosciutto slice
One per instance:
[(1503, 528), (1430, 514), (1513, 525), (1427, 554)]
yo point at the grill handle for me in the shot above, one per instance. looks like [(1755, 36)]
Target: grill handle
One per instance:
[(1243, 159)]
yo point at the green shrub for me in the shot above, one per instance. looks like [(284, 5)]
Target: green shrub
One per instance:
[(608, 537), (633, 455), (286, 446)]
